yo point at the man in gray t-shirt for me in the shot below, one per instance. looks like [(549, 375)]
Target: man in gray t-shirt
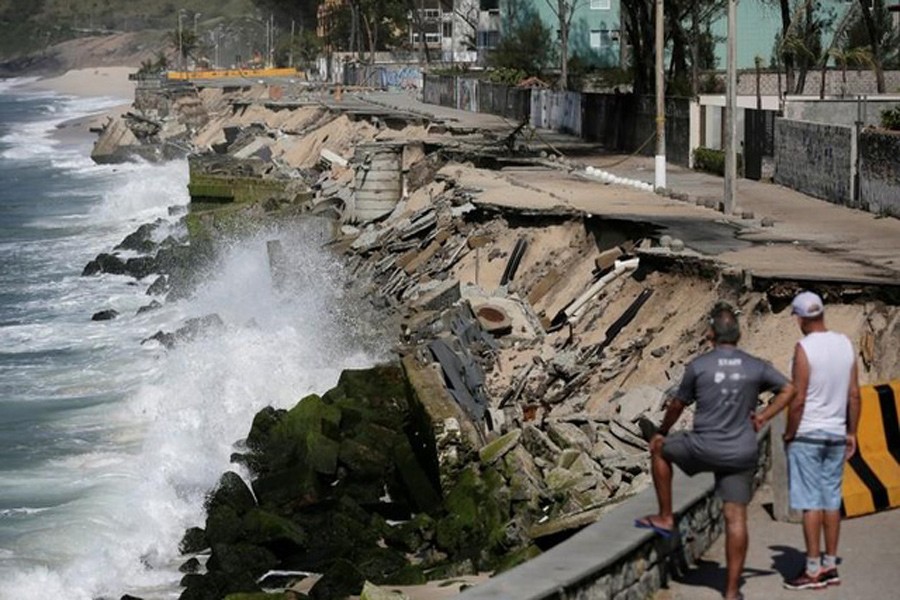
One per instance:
[(725, 383)]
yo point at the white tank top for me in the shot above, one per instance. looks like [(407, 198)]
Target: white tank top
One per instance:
[(831, 358)]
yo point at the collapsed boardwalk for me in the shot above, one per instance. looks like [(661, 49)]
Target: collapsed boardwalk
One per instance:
[(554, 392)]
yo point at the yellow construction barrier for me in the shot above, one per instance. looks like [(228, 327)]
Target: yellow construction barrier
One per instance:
[(872, 475), (232, 73)]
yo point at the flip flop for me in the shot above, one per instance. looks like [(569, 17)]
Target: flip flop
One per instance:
[(646, 523)]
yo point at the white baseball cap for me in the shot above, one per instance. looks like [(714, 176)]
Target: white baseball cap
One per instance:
[(807, 305)]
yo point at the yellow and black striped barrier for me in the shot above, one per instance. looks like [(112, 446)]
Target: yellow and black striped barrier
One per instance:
[(872, 475)]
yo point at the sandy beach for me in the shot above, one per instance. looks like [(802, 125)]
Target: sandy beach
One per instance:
[(100, 81), (108, 82)]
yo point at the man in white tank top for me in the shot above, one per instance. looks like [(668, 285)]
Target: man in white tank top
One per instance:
[(821, 435)]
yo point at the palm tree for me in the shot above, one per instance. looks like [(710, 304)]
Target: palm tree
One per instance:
[(850, 56), (185, 42)]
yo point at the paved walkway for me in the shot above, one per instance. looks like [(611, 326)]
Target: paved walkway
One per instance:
[(869, 553), (810, 239)]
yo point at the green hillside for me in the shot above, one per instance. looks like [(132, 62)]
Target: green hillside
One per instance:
[(28, 26)]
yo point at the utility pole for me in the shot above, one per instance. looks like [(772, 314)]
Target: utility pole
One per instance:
[(271, 40), (180, 40), (730, 107), (660, 171), (291, 53)]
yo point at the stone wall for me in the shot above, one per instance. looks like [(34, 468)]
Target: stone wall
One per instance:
[(858, 82), (612, 559), (816, 159), (838, 112), (879, 171)]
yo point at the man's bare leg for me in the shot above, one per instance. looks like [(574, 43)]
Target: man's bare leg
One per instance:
[(832, 522), (812, 532), (662, 483), (735, 545)]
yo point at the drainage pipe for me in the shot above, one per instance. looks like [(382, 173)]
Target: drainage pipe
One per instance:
[(573, 311)]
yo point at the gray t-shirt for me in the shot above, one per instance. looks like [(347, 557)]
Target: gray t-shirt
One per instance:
[(726, 384)]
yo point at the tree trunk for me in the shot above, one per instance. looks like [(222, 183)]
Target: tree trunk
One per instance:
[(563, 14), (695, 48), (786, 57), (873, 43)]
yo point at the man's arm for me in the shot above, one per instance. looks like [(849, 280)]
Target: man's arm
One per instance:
[(800, 374), (673, 412), (853, 406), (781, 400)]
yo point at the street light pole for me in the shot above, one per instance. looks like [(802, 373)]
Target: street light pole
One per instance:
[(180, 40), (730, 107), (660, 164)]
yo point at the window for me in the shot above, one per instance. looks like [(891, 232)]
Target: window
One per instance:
[(489, 5), (602, 38), (600, 4), (488, 39), (447, 27), (431, 37)]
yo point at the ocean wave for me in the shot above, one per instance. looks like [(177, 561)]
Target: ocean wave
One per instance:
[(7, 513)]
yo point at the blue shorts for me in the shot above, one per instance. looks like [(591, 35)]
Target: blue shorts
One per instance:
[(815, 470)]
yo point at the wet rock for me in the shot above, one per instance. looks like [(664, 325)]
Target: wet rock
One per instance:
[(194, 541), (149, 307), (105, 263), (341, 580), (159, 286), (141, 240), (192, 565), (141, 266), (105, 315)]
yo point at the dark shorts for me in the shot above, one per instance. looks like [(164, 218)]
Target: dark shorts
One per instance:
[(731, 485)]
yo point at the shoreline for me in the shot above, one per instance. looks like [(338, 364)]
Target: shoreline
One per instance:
[(99, 82)]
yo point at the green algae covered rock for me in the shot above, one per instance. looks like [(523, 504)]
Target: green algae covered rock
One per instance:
[(477, 511), (331, 472)]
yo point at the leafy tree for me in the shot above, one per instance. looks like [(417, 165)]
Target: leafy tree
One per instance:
[(689, 40), (799, 45), (564, 10), (528, 47), (875, 23), (302, 50)]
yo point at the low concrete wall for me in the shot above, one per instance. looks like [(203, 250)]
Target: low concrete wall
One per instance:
[(558, 111), (816, 159), (879, 171), (612, 559), (834, 111)]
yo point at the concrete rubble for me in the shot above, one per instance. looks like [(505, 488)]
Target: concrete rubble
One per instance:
[(535, 340)]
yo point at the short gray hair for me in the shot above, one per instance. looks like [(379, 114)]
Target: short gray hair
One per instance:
[(724, 323)]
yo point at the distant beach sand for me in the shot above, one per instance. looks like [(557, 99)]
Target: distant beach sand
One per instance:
[(109, 82), (99, 81)]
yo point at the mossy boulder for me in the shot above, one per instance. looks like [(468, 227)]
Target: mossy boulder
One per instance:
[(477, 513), (343, 579)]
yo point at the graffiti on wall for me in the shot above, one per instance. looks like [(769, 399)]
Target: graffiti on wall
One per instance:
[(404, 78)]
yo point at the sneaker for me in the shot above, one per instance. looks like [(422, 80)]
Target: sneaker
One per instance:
[(805, 581), (830, 576)]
